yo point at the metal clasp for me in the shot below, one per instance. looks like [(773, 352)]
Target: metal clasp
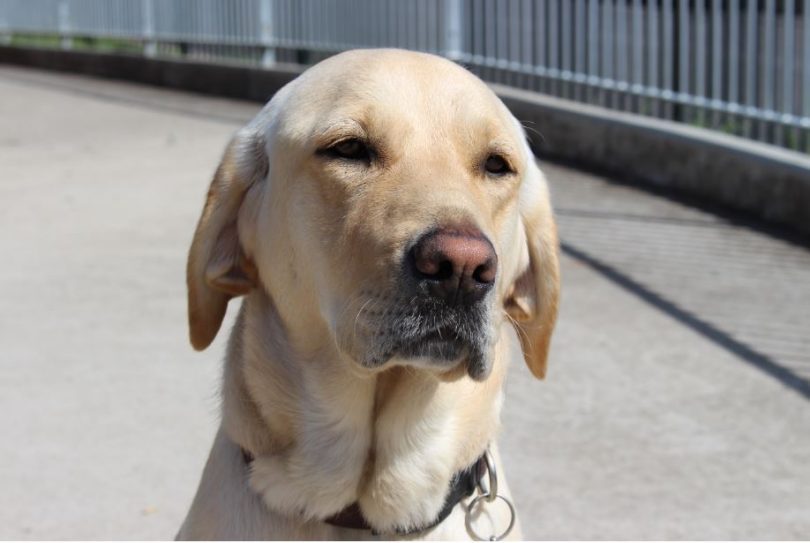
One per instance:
[(487, 494)]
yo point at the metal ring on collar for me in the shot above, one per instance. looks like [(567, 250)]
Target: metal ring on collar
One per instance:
[(494, 537), (491, 491)]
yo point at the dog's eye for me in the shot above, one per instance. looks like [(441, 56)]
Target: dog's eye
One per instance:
[(497, 165), (351, 149)]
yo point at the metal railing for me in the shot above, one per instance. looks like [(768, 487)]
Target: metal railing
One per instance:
[(738, 66)]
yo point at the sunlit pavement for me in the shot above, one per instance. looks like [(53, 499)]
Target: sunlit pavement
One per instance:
[(676, 404)]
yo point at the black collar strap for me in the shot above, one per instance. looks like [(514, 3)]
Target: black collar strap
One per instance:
[(462, 484)]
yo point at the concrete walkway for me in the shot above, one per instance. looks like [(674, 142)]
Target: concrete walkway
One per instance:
[(676, 405)]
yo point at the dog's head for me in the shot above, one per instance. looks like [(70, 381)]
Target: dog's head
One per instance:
[(389, 205)]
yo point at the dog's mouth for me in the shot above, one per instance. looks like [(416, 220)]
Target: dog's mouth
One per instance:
[(443, 344), (430, 335)]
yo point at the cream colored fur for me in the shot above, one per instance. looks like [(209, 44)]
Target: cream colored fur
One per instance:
[(314, 246)]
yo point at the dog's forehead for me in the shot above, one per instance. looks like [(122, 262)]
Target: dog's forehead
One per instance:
[(382, 89)]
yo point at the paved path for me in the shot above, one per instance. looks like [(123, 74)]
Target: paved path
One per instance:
[(676, 405)]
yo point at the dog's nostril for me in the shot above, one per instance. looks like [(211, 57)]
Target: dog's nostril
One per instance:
[(432, 264), (445, 271), (485, 273)]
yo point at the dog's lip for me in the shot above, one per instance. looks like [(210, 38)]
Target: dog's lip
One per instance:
[(447, 335), (444, 338), (442, 333)]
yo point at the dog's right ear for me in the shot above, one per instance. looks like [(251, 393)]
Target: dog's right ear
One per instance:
[(218, 267), (534, 300)]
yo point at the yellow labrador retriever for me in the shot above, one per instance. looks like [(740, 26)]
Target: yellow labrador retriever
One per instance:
[(384, 220)]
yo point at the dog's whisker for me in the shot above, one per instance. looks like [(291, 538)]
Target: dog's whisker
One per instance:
[(522, 335), (532, 129), (356, 317)]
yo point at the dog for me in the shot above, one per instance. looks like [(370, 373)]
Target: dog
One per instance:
[(387, 226)]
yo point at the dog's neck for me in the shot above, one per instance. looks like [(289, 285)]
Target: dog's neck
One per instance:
[(325, 436)]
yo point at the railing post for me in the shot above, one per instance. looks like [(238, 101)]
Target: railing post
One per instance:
[(63, 14), (149, 43), (452, 30), (267, 32), (5, 27)]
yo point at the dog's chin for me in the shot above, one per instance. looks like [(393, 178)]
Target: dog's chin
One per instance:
[(449, 359)]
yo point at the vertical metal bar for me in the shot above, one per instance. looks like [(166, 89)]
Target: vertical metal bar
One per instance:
[(540, 36), (437, 23), (274, 35), (717, 61), (148, 14), (751, 64), (332, 27), (733, 44), (769, 56), (580, 37), (5, 24), (411, 22), (514, 30), (526, 33), (683, 55), (196, 33), (478, 31), (434, 26), (296, 27), (594, 81), (319, 26), (621, 52), (789, 31), (806, 67), (608, 44), (238, 35), (733, 95), (567, 46), (402, 27), (653, 79), (419, 22), (288, 18), (502, 34), (267, 30), (379, 23), (251, 18), (307, 23), (581, 40), (552, 24), (370, 10), (66, 40), (452, 29), (700, 57), (398, 12), (637, 47), (490, 51)]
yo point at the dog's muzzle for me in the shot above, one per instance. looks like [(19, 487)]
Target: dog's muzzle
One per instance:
[(440, 315)]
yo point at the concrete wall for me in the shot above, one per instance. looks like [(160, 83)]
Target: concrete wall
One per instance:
[(769, 182), (232, 81)]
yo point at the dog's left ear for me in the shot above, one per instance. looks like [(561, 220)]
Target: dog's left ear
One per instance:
[(533, 301), (218, 266)]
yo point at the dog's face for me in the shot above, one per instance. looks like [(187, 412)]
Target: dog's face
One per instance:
[(389, 201)]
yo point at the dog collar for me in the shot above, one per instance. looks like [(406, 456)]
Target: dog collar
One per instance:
[(462, 485)]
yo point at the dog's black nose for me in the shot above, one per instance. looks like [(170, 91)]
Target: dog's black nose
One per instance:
[(458, 264)]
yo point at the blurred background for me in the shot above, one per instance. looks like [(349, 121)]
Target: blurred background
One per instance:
[(676, 138)]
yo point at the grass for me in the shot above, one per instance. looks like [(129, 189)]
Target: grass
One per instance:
[(109, 45)]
